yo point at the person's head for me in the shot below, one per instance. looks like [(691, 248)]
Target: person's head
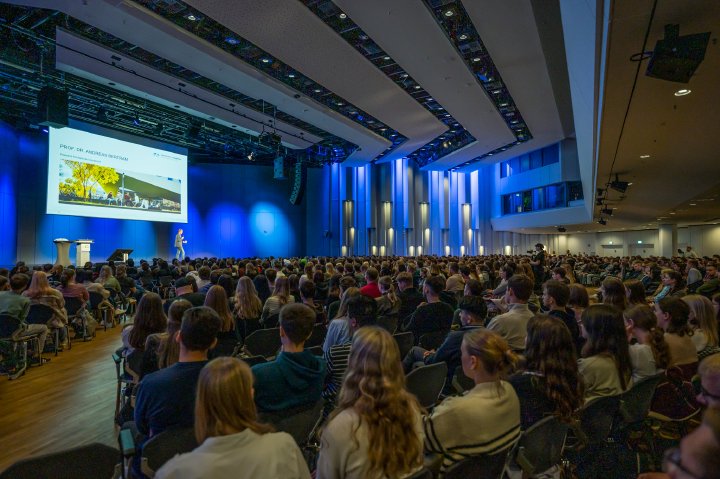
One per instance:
[(19, 282), (558, 274), (672, 278), (4, 283), (224, 402), (217, 300), (555, 294), (404, 280), (296, 323), (519, 289), (549, 350), (634, 291), (185, 285), (473, 287), (374, 387), (149, 319), (709, 387), (105, 273), (506, 272), (371, 275), (613, 293), (453, 267), (307, 290), (578, 296), (180, 231), (362, 311), (433, 286), (703, 317), (473, 310), (199, 329), (673, 315), (641, 323), (699, 453), (39, 285), (604, 329), (486, 356), (282, 289), (539, 247), (385, 284), (347, 282), (711, 270)]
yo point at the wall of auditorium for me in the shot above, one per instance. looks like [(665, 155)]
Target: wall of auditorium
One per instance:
[(234, 210)]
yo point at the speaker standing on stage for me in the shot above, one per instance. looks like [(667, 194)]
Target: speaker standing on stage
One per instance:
[(179, 241)]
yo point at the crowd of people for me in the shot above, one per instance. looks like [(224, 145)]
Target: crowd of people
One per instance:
[(536, 335)]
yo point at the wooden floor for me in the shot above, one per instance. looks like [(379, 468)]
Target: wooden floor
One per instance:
[(67, 402)]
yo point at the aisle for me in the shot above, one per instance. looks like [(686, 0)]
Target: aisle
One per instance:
[(67, 402)]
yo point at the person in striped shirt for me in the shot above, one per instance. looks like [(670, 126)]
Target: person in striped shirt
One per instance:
[(486, 419)]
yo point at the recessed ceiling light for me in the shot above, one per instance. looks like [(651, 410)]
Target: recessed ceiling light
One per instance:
[(463, 37), (417, 87), (449, 13), (683, 92), (343, 16), (672, 213), (317, 90), (340, 103), (291, 75), (644, 156), (192, 18), (266, 60), (476, 59), (693, 204)]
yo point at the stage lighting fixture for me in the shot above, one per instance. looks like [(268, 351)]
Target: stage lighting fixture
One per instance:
[(136, 119), (561, 229), (619, 186), (607, 211), (602, 221), (159, 128), (251, 156), (676, 57), (102, 115)]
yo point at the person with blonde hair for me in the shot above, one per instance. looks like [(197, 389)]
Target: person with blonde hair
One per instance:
[(376, 430), (217, 300), (651, 354), (280, 297), (248, 307), (486, 420), (233, 444), (704, 324), (388, 303), (40, 292)]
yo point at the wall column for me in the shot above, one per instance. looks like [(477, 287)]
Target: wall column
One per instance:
[(668, 240)]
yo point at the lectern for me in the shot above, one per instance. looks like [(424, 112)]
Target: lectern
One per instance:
[(82, 252), (63, 251)]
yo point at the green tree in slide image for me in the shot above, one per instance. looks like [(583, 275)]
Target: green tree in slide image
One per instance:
[(85, 176)]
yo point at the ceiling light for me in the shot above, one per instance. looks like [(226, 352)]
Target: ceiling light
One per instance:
[(192, 18), (683, 92), (644, 156), (417, 87), (693, 204), (232, 40), (342, 16), (340, 103), (317, 90), (449, 13), (463, 37), (251, 156), (476, 59), (386, 58), (291, 75), (266, 60), (672, 213)]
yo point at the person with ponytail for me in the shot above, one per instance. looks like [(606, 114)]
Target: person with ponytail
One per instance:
[(388, 304), (651, 354), (605, 359), (233, 444), (486, 420), (550, 383), (376, 430)]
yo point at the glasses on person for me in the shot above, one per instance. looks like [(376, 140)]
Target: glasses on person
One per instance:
[(672, 461)]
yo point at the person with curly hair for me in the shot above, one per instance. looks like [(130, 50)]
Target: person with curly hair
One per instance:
[(376, 430)]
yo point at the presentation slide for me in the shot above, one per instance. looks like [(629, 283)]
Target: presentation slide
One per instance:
[(103, 177)]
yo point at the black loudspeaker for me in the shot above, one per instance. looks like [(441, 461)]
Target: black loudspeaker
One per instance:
[(676, 58), (279, 168), (52, 107), (298, 184)]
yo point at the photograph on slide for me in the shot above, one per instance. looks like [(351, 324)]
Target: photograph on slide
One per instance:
[(93, 185)]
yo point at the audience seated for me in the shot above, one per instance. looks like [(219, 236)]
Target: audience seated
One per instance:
[(280, 297), (549, 383), (40, 292), (650, 355), (186, 288), (605, 359), (410, 297), (227, 337), (434, 315), (556, 295), (296, 376), (307, 297), (149, 319), (711, 281), (704, 324), (371, 287), (487, 418), (339, 328), (376, 430), (672, 315), (13, 303), (388, 304), (162, 349), (248, 307), (512, 326), (233, 444)]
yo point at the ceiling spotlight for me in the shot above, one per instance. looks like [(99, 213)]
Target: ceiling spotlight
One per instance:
[(683, 92), (317, 90), (619, 186), (291, 75), (693, 204), (266, 60), (449, 13), (386, 58), (417, 87), (251, 156), (644, 156), (602, 221), (102, 114), (192, 18), (476, 59), (463, 37), (343, 16)]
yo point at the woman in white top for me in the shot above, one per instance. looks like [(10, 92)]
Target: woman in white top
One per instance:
[(651, 354), (605, 364), (280, 297), (233, 445), (486, 420), (376, 430), (704, 323)]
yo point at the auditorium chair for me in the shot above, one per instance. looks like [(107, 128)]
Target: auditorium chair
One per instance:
[(14, 346), (299, 421), (426, 383), (40, 314), (99, 309), (263, 342), (539, 448), (484, 466), (389, 323), (590, 450), (317, 337), (316, 350), (433, 340), (272, 321), (94, 461), (161, 448), (405, 342), (165, 287), (460, 382)]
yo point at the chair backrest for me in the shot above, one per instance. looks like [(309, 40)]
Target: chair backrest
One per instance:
[(73, 305), (39, 314), (460, 382), (597, 416), (317, 337), (166, 281), (299, 422), (225, 347), (272, 321), (316, 350), (95, 299), (423, 473), (390, 323), (478, 467), (635, 402), (9, 325), (405, 342), (432, 340), (426, 383), (540, 447), (252, 361), (263, 342), (161, 448), (85, 462)]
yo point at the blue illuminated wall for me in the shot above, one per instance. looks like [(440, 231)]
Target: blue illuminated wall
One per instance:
[(234, 211)]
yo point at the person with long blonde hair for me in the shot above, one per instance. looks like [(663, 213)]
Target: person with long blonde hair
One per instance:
[(376, 430), (233, 444), (248, 307), (486, 420), (339, 328), (280, 297), (40, 292), (704, 324)]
